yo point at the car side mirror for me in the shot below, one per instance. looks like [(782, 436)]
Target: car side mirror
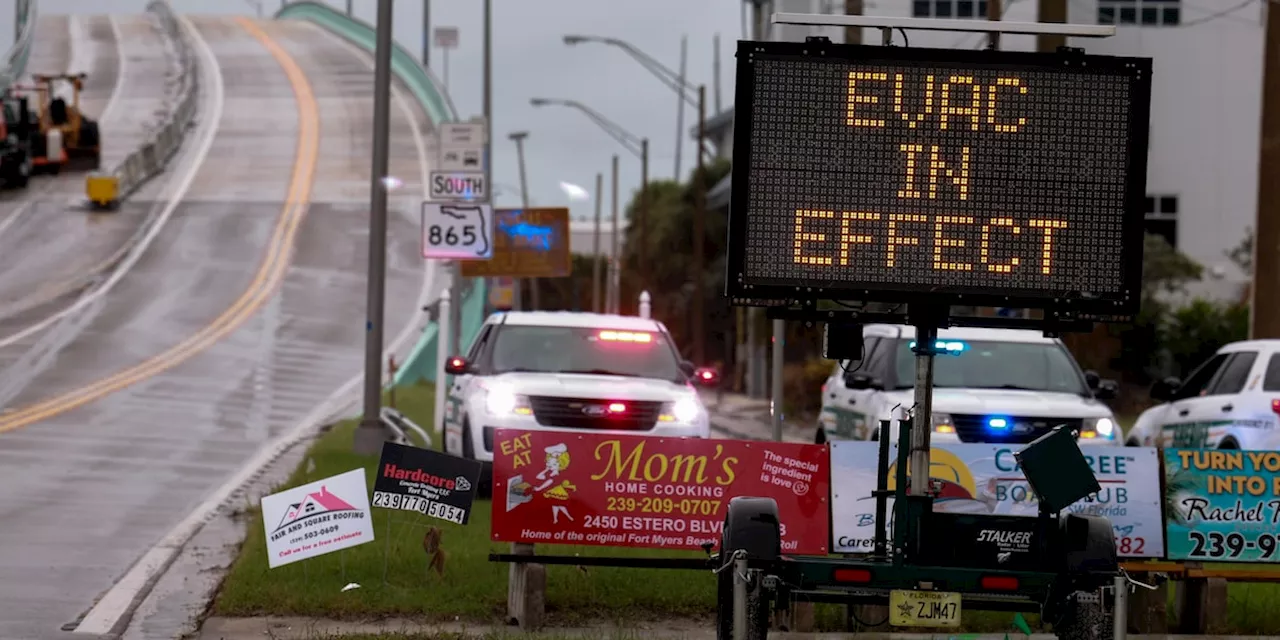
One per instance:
[(859, 381), (1092, 379), (1107, 390), (1163, 390), (688, 368), (706, 377), (457, 366)]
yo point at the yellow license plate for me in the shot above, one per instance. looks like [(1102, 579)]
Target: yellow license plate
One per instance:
[(924, 609)]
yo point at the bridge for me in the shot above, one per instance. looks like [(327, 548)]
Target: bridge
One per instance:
[(154, 357)]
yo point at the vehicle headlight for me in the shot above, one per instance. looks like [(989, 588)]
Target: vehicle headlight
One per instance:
[(942, 423), (501, 401), (1098, 428), (685, 410)]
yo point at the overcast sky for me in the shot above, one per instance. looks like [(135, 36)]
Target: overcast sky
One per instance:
[(530, 60)]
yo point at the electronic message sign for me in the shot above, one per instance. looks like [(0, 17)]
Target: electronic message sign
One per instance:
[(888, 173)]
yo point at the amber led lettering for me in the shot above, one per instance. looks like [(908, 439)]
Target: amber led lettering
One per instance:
[(984, 248), (940, 242), (803, 236), (912, 119), (847, 237), (974, 109), (958, 175), (895, 239), (1047, 251), (991, 105), (856, 99)]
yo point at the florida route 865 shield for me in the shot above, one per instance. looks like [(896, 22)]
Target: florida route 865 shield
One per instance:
[(430, 482)]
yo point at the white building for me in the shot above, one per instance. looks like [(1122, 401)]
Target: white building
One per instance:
[(1202, 176)]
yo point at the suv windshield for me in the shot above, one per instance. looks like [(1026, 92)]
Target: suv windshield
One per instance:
[(997, 365), (638, 354)]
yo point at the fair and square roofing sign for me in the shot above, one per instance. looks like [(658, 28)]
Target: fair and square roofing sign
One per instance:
[(317, 518)]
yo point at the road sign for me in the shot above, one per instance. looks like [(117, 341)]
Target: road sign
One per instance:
[(468, 186), (446, 37), (462, 134), (457, 231), (959, 177), (461, 159), (527, 243)]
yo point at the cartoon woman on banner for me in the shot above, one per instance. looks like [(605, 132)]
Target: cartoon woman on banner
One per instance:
[(557, 461)]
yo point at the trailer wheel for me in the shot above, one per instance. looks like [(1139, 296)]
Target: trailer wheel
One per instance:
[(1085, 617), (751, 525)]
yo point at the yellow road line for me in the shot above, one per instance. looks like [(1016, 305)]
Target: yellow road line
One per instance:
[(265, 282)]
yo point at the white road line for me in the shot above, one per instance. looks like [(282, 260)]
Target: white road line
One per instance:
[(209, 127), (113, 610)]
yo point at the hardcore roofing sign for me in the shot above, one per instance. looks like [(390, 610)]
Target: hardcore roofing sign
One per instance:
[(429, 482), (317, 518)]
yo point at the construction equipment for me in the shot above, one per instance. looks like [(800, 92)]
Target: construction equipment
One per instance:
[(68, 139), (15, 141)]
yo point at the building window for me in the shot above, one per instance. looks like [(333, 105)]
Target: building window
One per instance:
[(1148, 13), (1162, 217), (949, 8)]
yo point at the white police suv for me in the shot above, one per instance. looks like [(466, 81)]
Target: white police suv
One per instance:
[(570, 371), (1231, 401), (993, 385)]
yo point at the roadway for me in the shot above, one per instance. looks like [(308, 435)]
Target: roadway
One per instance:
[(50, 247), (244, 313)]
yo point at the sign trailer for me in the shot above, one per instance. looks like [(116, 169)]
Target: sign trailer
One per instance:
[(932, 178)]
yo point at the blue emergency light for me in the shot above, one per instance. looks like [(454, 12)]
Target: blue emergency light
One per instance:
[(950, 347)]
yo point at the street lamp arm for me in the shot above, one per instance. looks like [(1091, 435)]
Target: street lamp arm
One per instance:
[(617, 133), (668, 77)]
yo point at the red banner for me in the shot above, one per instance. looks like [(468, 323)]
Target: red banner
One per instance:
[(553, 487)]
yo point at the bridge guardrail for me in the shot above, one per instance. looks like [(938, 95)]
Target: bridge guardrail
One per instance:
[(151, 158), (427, 90), (18, 54)]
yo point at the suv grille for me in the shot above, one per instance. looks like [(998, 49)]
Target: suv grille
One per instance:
[(1021, 430), (575, 413)]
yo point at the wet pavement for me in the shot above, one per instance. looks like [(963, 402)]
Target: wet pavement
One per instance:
[(191, 390), (50, 246)]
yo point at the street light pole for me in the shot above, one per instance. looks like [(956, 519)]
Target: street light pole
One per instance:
[(519, 137), (642, 248), (370, 434), (426, 33), (684, 54), (595, 246), (699, 215), (615, 297)]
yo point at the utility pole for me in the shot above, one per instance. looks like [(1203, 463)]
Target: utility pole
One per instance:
[(519, 137), (615, 297), (370, 434), (642, 251), (715, 73), (699, 230), (994, 14), (350, 9), (684, 53), (1264, 307), (1051, 11), (426, 33), (595, 246), (853, 35)]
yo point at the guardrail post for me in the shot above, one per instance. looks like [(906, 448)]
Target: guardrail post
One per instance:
[(1149, 608), (646, 308), (526, 590), (1120, 619), (1201, 604)]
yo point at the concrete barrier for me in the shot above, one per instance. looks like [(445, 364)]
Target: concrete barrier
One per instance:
[(427, 90)]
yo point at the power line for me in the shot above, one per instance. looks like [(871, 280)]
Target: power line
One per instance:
[(1220, 14)]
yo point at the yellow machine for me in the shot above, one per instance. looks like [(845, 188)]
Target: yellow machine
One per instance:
[(69, 140)]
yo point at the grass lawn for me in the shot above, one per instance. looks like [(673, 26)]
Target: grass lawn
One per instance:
[(395, 581), (392, 570)]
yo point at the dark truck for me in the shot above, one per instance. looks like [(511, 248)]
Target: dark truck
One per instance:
[(15, 142)]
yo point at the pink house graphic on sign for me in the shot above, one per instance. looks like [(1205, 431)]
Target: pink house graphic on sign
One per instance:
[(314, 504)]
